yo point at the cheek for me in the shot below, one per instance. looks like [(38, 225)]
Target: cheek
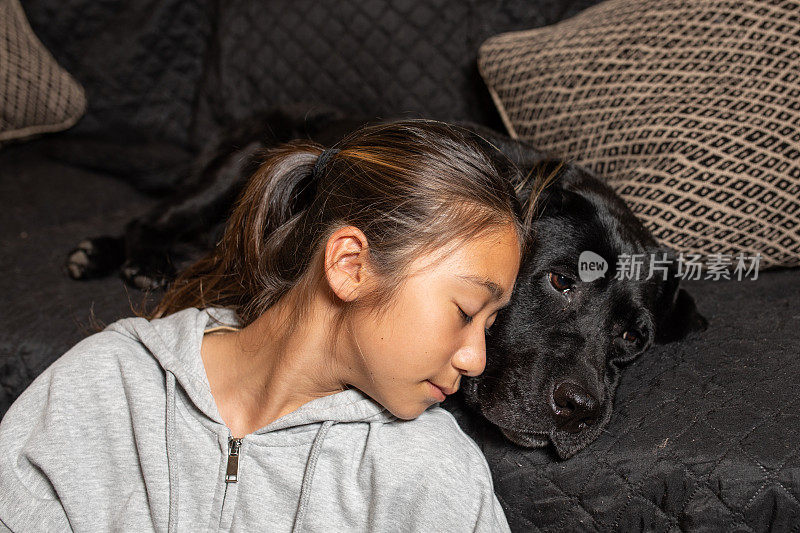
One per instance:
[(411, 339)]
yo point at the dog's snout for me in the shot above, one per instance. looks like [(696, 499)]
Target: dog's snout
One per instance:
[(574, 408)]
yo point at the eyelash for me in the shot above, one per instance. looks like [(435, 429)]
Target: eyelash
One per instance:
[(464, 315), (468, 319)]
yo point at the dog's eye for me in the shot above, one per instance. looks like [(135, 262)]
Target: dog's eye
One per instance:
[(630, 336), (560, 283)]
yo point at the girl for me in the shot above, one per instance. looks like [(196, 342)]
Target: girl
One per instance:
[(290, 379)]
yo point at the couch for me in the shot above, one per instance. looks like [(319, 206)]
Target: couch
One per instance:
[(705, 432)]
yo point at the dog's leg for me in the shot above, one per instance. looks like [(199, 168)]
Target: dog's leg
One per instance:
[(95, 258), (189, 215), (144, 252)]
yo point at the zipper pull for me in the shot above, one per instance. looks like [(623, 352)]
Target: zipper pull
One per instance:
[(232, 473)]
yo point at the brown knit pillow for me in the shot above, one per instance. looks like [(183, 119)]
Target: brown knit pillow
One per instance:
[(36, 95), (691, 110)]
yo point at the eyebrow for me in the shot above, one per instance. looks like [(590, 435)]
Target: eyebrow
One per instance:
[(495, 289)]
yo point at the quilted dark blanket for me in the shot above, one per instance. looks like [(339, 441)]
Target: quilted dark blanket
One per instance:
[(165, 76), (704, 435)]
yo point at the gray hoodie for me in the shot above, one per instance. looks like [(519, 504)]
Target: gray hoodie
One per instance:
[(121, 433)]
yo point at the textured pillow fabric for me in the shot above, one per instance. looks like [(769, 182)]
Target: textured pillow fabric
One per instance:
[(689, 108), (36, 95)]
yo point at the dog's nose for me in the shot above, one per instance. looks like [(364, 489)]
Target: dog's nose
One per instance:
[(573, 407)]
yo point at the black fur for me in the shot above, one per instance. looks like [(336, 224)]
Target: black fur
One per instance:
[(553, 355)]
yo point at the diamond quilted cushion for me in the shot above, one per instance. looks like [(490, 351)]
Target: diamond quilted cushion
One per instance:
[(181, 71), (388, 58), (689, 109), (36, 95), (384, 57)]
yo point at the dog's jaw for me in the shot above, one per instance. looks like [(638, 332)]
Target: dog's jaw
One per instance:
[(528, 440)]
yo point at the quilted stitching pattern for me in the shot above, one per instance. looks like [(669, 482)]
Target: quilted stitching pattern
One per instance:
[(357, 47), (385, 58), (140, 62), (179, 70), (705, 433)]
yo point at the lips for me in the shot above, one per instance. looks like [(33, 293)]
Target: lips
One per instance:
[(446, 390)]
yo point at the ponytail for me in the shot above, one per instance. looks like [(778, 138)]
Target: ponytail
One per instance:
[(248, 269)]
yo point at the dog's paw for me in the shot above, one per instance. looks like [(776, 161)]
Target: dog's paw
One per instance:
[(94, 258), (146, 278)]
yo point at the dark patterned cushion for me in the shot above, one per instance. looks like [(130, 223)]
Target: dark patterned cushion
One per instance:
[(689, 109), (36, 95)]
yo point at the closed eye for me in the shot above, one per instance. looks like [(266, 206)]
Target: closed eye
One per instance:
[(468, 319), (465, 316)]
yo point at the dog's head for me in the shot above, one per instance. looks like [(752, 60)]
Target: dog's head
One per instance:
[(553, 355)]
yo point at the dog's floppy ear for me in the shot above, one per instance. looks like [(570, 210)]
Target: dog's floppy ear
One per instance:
[(676, 312), (542, 189)]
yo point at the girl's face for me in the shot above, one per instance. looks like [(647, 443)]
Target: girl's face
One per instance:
[(435, 330)]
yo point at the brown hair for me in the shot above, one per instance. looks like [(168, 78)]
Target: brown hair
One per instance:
[(411, 186)]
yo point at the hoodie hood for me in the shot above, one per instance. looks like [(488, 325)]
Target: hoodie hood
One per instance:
[(175, 341)]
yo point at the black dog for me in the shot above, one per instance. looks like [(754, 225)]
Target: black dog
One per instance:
[(555, 352), (558, 347), (553, 355)]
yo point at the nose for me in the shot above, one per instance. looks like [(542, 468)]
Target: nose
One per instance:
[(573, 407), (470, 359)]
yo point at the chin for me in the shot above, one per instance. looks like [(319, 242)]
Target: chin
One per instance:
[(409, 416), (406, 412), (411, 406)]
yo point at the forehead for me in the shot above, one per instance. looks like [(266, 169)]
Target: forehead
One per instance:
[(495, 289), (490, 262)]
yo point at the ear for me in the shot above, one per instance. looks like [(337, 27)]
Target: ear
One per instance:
[(676, 313), (545, 182), (344, 261)]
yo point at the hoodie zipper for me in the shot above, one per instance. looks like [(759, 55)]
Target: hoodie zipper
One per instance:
[(232, 473), (231, 477)]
